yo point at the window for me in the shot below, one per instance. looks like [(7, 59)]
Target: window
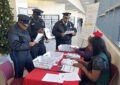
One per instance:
[(108, 20), (50, 20)]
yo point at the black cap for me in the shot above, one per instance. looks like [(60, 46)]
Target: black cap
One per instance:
[(24, 18), (66, 14), (37, 11)]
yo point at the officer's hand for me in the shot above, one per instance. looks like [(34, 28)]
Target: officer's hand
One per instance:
[(32, 43), (62, 34), (46, 41), (41, 30), (73, 33)]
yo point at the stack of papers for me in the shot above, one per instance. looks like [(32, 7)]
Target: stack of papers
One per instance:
[(60, 78), (73, 46), (65, 47), (57, 56), (68, 62), (38, 37), (70, 55), (69, 77), (70, 69), (47, 60), (43, 62), (52, 78)]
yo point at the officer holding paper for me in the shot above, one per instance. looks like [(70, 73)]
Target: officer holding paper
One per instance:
[(20, 44), (63, 30), (37, 25)]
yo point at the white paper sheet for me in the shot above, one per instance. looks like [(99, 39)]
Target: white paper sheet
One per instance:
[(65, 47), (69, 77), (52, 78), (48, 33), (71, 69), (68, 32), (38, 37), (68, 62), (73, 46), (75, 56)]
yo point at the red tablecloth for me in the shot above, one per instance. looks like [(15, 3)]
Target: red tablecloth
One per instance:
[(35, 77)]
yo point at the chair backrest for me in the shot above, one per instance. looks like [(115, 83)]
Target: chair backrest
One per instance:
[(114, 72), (7, 70)]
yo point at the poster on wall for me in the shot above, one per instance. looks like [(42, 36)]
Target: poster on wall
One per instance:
[(23, 10), (90, 21)]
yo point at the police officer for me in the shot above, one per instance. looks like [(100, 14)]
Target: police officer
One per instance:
[(61, 27), (37, 25), (20, 43)]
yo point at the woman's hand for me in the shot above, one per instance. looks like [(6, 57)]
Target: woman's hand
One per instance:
[(82, 62), (78, 65), (79, 60)]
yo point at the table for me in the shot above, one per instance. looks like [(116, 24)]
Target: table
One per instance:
[(35, 77)]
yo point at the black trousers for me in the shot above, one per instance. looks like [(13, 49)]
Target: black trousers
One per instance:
[(21, 60), (37, 50), (58, 42)]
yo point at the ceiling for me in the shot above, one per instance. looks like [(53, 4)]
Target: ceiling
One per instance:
[(86, 2), (70, 6)]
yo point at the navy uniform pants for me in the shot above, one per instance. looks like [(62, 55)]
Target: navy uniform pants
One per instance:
[(37, 50), (21, 60), (58, 42)]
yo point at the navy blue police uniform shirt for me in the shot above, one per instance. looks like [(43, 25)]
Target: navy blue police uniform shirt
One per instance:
[(35, 25), (19, 39), (60, 27)]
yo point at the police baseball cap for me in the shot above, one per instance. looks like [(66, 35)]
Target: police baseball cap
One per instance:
[(67, 15), (38, 12), (24, 19)]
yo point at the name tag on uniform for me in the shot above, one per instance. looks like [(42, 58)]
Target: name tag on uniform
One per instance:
[(33, 24), (70, 26)]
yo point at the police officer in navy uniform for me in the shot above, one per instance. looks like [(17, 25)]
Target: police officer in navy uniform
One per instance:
[(37, 25), (61, 27), (20, 44)]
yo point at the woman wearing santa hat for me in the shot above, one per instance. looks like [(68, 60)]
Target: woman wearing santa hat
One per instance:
[(85, 52)]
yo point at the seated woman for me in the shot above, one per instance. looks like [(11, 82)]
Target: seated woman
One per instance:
[(86, 52), (97, 71)]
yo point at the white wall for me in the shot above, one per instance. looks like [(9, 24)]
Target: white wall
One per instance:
[(22, 4), (54, 9), (13, 5), (50, 7), (115, 52), (78, 4), (16, 4)]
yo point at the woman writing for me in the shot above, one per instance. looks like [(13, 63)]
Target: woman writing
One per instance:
[(97, 71)]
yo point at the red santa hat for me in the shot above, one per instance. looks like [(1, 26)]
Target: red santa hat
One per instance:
[(97, 33)]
